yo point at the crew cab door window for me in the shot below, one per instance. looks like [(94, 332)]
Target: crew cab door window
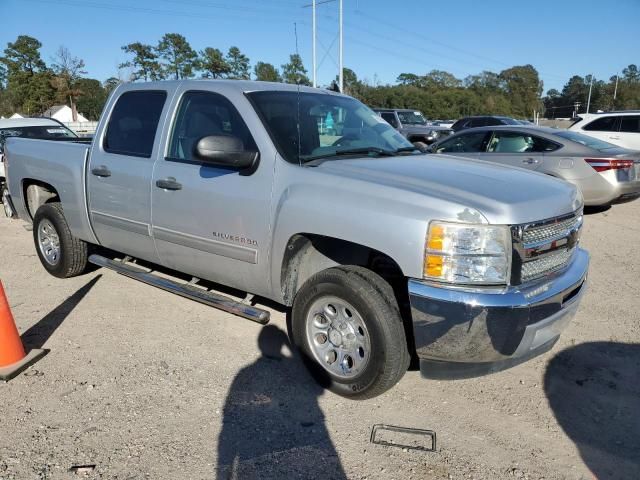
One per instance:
[(133, 123), (202, 114)]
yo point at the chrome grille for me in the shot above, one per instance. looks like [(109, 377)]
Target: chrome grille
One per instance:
[(544, 247), (548, 264), (550, 231)]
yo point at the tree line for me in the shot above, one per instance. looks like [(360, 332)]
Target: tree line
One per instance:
[(29, 85)]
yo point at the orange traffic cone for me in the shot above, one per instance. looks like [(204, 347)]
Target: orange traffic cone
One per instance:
[(13, 359)]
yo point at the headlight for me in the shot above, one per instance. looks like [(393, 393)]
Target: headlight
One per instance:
[(467, 253)]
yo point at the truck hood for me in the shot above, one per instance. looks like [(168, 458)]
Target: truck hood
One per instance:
[(502, 194)]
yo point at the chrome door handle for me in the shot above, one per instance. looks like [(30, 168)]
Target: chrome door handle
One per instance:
[(101, 171), (169, 184), (614, 137), (530, 161)]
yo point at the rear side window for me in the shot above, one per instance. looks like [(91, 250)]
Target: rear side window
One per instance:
[(630, 124), (490, 121), (202, 114), (478, 122), (467, 143), (133, 123), (604, 124)]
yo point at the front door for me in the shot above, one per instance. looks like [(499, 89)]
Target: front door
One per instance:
[(120, 169), (209, 221)]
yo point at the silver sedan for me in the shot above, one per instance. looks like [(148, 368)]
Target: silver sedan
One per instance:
[(605, 173)]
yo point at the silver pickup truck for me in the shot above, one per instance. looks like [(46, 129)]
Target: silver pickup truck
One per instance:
[(383, 254)]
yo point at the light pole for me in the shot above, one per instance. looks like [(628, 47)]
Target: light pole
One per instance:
[(314, 68), (589, 98), (340, 62)]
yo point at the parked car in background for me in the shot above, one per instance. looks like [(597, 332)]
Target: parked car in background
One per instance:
[(620, 128), (41, 128), (413, 126), (468, 267), (483, 121), (605, 173)]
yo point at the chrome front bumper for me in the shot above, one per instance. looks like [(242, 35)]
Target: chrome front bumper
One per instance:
[(462, 333)]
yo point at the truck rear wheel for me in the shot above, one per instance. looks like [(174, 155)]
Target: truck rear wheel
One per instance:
[(60, 253), (347, 325)]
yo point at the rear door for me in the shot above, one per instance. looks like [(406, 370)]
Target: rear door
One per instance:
[(211, 221), (630, 132), (518, 149), (120, 169), (467, 144)]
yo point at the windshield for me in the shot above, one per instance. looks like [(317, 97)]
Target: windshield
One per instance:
[(412, 118), (585, 140), (307, 126), (44, 132)]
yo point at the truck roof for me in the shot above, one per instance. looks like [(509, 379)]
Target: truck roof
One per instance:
[(27, 122), (241, 85)]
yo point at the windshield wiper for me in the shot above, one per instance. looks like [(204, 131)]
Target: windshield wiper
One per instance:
[(406, 149), (381, 152)]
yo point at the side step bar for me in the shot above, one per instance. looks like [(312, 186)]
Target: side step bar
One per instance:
[(212, 299)]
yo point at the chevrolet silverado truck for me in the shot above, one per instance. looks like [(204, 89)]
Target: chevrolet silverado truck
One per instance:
[(381, 253)]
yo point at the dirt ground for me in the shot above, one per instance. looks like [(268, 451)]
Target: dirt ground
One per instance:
[(143, 384)]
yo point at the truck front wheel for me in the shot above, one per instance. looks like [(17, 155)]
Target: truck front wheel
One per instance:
[(60, 253), (347, 325)]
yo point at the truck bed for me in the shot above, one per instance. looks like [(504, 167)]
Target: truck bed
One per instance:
[(60, 163)]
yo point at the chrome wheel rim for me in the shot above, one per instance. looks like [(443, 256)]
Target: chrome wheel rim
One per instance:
[(49, 242), (338, 337)]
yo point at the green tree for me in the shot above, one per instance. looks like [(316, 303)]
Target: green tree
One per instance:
[(213, 64), (440, 79), (68, 72), (523, 88), (27, 79), (294, 71), (181, 60), (409, 79), (92, 99), (145, 62), (266, 72), (238, 64), (110, 83)]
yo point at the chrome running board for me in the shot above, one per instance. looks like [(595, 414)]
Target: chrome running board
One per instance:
[(189, 291)]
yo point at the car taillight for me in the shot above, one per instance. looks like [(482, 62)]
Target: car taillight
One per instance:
[(604, 164)]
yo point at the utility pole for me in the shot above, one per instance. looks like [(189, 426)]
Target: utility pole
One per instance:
[(340, 62), (589, 99), (314, 67), (615, 90)]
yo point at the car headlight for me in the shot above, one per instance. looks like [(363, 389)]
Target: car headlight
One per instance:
[(467, 253)]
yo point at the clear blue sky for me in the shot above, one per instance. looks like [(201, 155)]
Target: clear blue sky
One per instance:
[(382, 38)]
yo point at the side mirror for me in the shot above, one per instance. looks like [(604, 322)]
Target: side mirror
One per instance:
[(226, 151)]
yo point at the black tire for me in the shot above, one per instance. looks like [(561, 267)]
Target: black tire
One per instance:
[(373, 299), (73, 254)]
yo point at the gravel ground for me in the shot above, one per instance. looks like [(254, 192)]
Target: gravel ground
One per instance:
[(143, 384)]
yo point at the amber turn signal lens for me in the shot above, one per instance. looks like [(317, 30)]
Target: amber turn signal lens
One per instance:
[(436, 238), (433, 265)]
